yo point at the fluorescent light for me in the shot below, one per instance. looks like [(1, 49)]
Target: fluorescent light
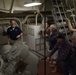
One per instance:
[(32, 4)]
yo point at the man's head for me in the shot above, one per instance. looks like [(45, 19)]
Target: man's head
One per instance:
[(73, 39), (60, 38), (53, 27), (13, 23)]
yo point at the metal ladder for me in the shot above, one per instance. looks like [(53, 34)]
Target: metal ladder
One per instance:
[(72, 15), (59, 14)]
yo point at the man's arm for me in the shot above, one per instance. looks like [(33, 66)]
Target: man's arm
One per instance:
[(20, 33), (18, 36), (70, 25), (54, 49)]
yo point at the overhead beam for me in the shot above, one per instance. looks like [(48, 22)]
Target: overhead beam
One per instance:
[(3, 10), (4, 4), (12, 3), (43, 3)]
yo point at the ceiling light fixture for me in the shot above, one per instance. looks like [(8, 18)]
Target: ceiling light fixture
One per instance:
[(32, 4)]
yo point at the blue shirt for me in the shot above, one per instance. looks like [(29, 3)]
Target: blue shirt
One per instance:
[(64, 50), (13, 32)]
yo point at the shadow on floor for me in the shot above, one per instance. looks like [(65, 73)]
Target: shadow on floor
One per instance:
[(48, 69)]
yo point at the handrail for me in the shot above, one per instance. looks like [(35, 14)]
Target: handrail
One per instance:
[(37, 17), (24, 21)]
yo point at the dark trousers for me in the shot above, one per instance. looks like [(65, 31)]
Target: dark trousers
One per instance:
[(64, 65), (73, 65), (74, 70)]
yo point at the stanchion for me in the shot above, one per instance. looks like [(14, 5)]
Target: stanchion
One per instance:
[(44, 38)]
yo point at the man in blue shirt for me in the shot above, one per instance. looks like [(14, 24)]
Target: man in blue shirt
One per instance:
[(13, 32)]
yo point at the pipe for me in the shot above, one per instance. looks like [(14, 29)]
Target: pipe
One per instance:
[(24, 21), (10, 18)]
